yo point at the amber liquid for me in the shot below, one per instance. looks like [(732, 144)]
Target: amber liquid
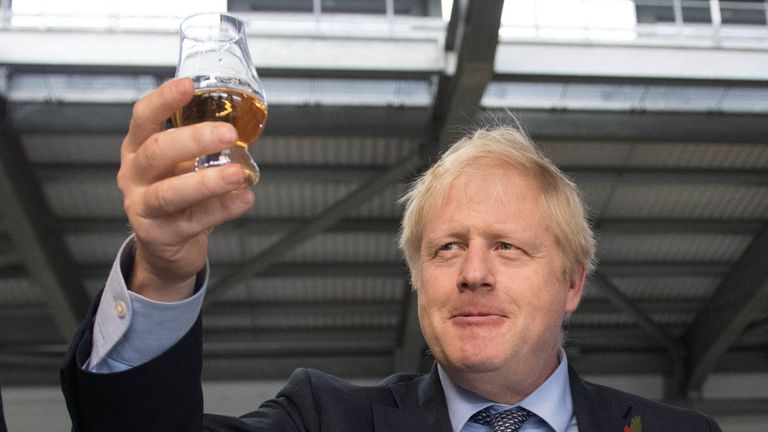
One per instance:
[(244, 110)]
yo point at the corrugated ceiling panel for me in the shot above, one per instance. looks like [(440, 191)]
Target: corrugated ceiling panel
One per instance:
[(595, 195), (83, 199), (750, 156), (351, 320), (362, 151), (624, 97), (683, 155), (53, 87), (232, 246), (384, 204), (575, 154), (95, 248), (689, 201), (680, 98), (744, 100), (72, 148), (348, 92), (365, 151), (317, 289), (295, 199), (671, 247), (227, 321), (661, 287), (282, 321), (348, 247), (19, 292), (605, 96), (621, 319), (529, 95)]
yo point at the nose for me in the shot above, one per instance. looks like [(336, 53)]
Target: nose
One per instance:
[(476, 270)]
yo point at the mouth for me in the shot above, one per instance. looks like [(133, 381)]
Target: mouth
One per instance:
[(478, 318)]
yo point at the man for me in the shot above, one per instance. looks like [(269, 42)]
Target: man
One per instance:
[(498, 246)]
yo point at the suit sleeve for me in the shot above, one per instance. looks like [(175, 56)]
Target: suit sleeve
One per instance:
[(165, 394)]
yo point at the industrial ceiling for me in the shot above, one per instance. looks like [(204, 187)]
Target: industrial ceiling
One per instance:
[(664, 132)]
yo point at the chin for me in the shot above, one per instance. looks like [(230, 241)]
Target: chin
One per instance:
[(474, 361)]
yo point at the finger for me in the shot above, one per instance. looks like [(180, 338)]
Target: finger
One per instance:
[(151, 111), (210, 213), (176, 194), (161, 155), (199, 218)]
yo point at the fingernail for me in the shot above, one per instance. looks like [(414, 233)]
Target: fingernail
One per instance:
[(247, 197), (233, 174), (226, 133), (243, 200)]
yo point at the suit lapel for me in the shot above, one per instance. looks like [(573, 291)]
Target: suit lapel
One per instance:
[(594, 412), (420, 407)]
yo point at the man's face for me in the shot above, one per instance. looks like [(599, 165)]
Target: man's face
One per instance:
[(492, 295)]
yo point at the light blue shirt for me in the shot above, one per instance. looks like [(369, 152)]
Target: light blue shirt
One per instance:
[(551, 403), (130, 330)]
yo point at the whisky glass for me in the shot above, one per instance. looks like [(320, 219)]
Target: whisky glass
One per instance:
[(214, 54)]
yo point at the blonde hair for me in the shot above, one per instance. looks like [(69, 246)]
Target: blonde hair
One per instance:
[(563, 207)]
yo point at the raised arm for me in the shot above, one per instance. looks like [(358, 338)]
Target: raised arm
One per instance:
[(170, 207)]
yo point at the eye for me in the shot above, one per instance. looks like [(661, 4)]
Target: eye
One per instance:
[(448, 247), (507, 246)]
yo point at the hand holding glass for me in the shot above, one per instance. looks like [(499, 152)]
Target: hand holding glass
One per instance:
[(214, 53)]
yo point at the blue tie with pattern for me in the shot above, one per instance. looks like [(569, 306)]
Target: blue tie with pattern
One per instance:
[(508, 420)]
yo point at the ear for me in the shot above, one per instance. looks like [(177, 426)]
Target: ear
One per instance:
[(575, 288)]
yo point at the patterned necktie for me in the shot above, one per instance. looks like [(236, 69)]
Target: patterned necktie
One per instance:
[(508, 420)]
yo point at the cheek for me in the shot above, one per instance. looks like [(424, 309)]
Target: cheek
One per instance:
[(539, 299), (426, 322)]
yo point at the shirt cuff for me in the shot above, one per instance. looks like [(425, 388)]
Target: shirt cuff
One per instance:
[(130, 329)]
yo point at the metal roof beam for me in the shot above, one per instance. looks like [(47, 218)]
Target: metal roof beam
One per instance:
[(674, 346), (272, 254), (473, 34), (711, 127), (416, 49), (740, 298), (26, 217)]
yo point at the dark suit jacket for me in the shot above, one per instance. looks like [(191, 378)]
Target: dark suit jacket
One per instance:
[(2, 417), (165, 395)]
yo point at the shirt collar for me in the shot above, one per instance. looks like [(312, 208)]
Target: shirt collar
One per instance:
[(551, 401)]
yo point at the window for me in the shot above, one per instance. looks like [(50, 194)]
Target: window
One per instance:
[(743, 12), (751, 12), (373, 7), (663, 11)]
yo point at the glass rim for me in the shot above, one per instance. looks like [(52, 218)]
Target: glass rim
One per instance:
[(239, 25)]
